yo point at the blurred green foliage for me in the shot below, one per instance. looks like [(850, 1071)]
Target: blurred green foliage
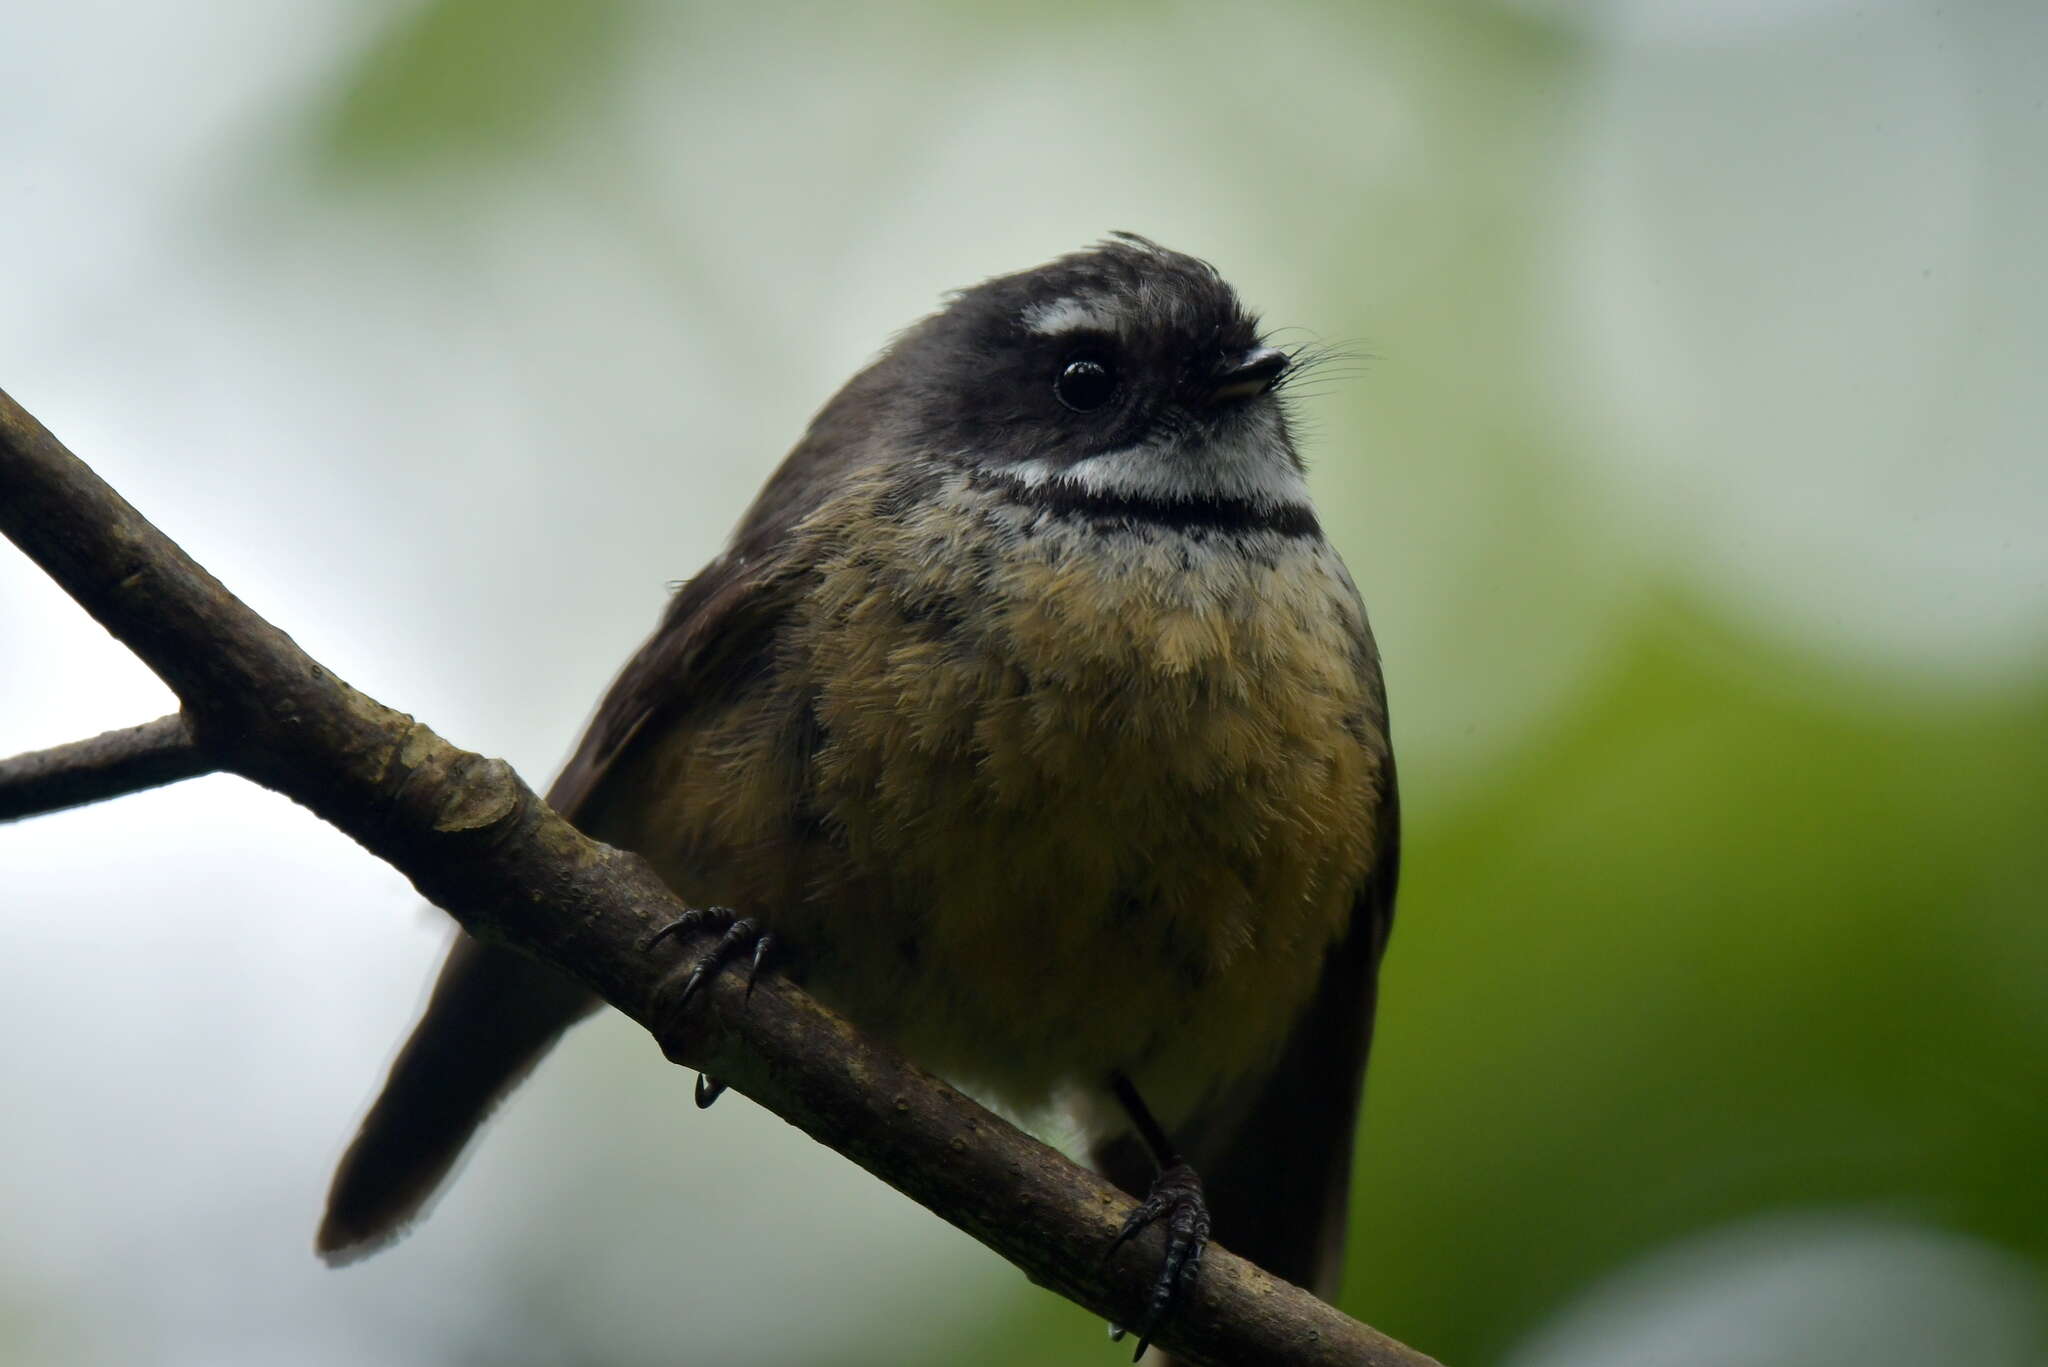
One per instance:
[(458, 81), (1745, 933)]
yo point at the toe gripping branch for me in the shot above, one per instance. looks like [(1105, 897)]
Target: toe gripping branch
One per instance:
[(1175, 1201), (739, 935)]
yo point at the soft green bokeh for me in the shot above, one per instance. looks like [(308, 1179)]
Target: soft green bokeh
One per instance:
[(460, 80), (1743, 934)]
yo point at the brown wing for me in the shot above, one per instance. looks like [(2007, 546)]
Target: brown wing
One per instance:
[(495, 1012), (1275, 1157)]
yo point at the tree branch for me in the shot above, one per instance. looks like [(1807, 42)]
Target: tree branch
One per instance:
[(480, 844), (110, 765)]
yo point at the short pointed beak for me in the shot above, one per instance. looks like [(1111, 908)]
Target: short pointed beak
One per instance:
[(1248, 375)]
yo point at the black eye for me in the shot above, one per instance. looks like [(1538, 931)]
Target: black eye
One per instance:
[(1085, 385)]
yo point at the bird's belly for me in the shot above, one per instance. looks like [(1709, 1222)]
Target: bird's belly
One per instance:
[(1127, 899), (1101, 821), (1037, 827)]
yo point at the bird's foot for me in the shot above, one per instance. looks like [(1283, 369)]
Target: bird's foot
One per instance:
[(741, 938), (1176, 1200), (740, 935)]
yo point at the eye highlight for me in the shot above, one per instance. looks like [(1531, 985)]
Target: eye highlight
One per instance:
[(1085, 385)]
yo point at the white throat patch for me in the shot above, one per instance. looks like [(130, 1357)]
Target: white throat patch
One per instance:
[(1247, 469)]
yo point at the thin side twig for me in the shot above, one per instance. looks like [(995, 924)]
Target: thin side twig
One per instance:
[(110, 765), (480, 844)]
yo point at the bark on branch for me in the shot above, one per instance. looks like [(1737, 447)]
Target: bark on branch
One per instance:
[(119, 762), (479, 843)]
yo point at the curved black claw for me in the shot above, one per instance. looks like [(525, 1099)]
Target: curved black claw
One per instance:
[(740, 936), (709, 1089), (1176, 1197), (691, 918)]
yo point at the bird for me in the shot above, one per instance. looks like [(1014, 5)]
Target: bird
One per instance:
[(1029, 719)]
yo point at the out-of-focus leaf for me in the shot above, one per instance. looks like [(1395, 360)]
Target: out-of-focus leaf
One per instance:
[(469, 78), (1743, 936)]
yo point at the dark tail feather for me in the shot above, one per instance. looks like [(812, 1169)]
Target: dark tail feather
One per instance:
[(493, 1014)]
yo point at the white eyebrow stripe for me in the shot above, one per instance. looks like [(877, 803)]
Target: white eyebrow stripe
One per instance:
[(1064, 315)]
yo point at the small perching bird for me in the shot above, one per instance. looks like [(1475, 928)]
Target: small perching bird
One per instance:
[(1032, 721)]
